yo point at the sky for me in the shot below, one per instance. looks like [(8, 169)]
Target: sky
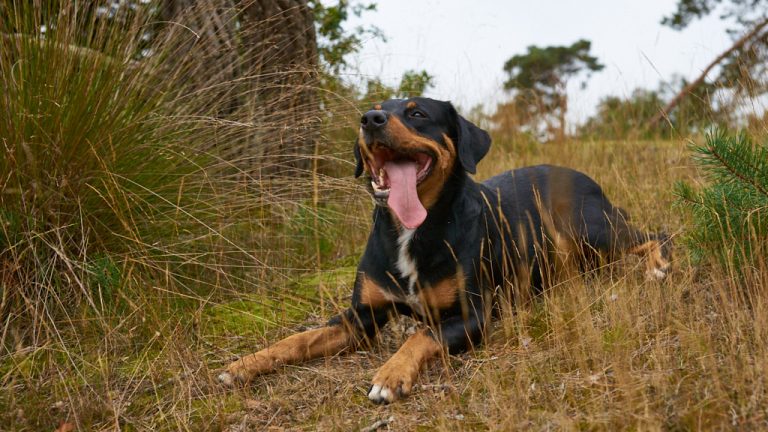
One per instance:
[(464, 44)]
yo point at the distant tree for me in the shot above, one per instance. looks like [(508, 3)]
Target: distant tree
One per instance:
[(743, 13), (703, 108), (618, 118), (539, 78), (742, 67), (415, 83), (335, 43), (412, 83)]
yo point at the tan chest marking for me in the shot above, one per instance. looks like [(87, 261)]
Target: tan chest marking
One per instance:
[(374, 295), (429, 300)]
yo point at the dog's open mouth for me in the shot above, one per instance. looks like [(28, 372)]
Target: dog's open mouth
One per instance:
[(394, 177)]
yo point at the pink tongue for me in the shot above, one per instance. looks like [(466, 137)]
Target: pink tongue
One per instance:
[(403, 198)]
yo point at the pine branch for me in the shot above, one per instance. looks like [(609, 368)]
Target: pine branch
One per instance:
[(721, 156)]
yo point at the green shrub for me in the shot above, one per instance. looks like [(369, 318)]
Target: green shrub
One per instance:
[(89, 163), (118, 168), (730, 212)]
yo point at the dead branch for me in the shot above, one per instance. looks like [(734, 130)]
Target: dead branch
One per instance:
[(664, 112)]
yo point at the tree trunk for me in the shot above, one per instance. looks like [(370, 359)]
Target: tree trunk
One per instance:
[(204, 34), (279, 38), (254, 64), (563, 111)]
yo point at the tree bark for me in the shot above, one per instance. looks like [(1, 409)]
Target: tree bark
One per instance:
[(664, 112), (282, 59), (204, 36), (254, 63)]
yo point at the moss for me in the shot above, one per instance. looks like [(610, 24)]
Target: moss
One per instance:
[(253, 315), (538, 322), (31, 364), (257, 314), (335, 282)]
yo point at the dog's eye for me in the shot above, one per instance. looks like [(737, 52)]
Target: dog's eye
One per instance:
[(418, 114)]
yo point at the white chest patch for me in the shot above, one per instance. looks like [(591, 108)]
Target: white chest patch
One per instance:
[(406, 265)]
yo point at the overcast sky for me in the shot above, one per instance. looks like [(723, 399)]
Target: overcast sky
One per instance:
[(464, 44)]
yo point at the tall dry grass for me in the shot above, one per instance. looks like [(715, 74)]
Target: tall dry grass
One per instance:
[(143, 248), (151, 210), (611, 351)]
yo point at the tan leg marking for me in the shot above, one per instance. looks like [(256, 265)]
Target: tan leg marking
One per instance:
[(656, 265), (566, 256), (395, 379), (303, 346), (556, 219)]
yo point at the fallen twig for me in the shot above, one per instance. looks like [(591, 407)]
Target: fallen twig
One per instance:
[(378, 424)]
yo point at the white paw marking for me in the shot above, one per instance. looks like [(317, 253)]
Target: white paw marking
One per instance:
[(374, 393), (226, 379), (656, 274), (381, 394), (386, 394)]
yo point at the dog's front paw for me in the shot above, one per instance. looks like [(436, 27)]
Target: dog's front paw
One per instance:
[(393, 381), (657, 274), (235, 374), (227, 379), (245, 369), (658, 269)]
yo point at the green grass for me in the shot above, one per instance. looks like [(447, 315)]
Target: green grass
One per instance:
[(256, 315)]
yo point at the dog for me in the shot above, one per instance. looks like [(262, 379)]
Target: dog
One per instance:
[(442, 247)]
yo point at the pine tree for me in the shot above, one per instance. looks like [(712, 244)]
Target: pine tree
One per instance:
[(730, 213)]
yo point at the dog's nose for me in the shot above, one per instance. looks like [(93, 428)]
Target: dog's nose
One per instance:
[(373, 119)]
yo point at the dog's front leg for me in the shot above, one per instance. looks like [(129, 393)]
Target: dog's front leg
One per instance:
[(343, 331), (320, 342), (396, 378)]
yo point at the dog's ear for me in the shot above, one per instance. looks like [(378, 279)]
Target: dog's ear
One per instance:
[(473, 143), (358, 160)]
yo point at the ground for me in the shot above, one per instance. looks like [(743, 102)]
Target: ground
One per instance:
[(603, 352)]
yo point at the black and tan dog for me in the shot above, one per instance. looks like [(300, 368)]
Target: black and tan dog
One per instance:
[(442, 247)]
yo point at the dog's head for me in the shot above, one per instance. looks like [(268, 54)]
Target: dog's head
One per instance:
[(410, 147)]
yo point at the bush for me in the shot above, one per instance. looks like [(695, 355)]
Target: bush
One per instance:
[(730, 213), (129, 161)]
